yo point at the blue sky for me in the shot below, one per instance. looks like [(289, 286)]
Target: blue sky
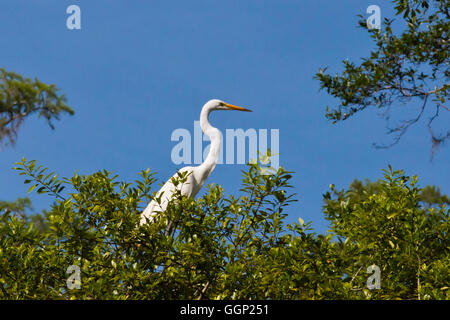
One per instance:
[(140, 69)]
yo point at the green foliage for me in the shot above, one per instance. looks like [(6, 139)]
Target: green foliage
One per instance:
[(21, 97), (391, 229), (222, 247), (411, 66), (431, 195), (19, 206)]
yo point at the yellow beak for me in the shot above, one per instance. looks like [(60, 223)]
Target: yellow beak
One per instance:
[(230, 106)]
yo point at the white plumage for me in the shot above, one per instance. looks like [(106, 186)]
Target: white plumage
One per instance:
[(196, 175)]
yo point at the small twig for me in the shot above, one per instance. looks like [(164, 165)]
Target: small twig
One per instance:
[(203, 291), (403, 127), (354, 276), (418, 277), (435, 141), (442, 106)]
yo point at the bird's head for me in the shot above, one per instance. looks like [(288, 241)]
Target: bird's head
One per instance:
[(216, 104)]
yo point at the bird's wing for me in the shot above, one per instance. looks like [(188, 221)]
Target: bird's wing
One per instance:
[(166, 193)]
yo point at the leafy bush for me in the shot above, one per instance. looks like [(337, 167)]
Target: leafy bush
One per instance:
[(219, 246)]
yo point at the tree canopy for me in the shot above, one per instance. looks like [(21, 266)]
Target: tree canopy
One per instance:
[(407, 67), (224, 247), (90, 245), (21, 97)]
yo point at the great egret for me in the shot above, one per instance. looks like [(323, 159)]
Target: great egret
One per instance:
[(196, 175)]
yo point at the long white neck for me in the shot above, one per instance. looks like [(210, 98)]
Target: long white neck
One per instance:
[(214, 134)]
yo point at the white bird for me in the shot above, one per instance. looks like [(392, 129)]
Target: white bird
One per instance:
[(196, 175)]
